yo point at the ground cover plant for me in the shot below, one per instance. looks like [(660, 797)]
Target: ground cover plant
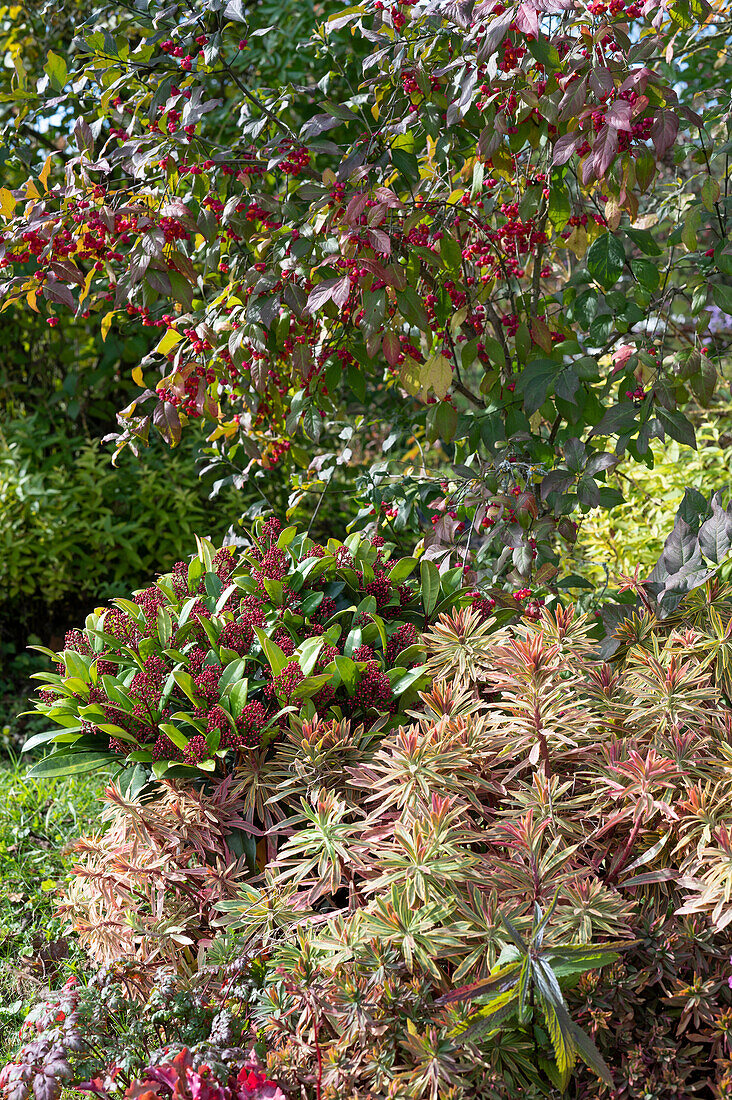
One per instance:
[(37, 820)]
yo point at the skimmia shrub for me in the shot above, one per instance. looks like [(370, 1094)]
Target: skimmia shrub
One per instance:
[(217, 658), (529, 883)]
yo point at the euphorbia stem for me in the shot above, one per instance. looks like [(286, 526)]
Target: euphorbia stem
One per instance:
[(624, 855)]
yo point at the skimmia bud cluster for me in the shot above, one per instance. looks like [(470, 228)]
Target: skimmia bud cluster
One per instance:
[(221, 654)]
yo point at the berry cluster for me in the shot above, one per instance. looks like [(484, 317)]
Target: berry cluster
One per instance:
[(189, 677)]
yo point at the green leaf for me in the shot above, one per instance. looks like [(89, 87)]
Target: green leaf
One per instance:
[(722, 296), (76, 666), (605, 259), (565, 1054), (646, 273), (406, 163), (430, 583), (57, 71), (406, 679), (590, 1055), (237, 696), (70, 763), (213, 585), (704, 382), (348, 672), (48, 735), (503, 976), (179, 739), (306, 654), (276, 658), (353, 641), (286, 537), (401, 570), (535, 381), (645, 241), (677, 426), (184, 681), (412, 309)]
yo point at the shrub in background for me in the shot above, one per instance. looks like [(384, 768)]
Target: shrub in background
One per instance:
[(633, 533), (208, 665), (74, 530)]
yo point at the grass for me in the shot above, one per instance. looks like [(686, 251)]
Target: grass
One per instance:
[(38, 820)]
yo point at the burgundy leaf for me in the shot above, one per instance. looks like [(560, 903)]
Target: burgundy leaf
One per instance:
[(664, 130), (527, 19), (392, 348), (601, 81), (619, 115), (574, 99), (341, 291), (565, 146), (58, 292), (637, 80), (321, 294), (355, 207), (494, 35), (167, 421), (318, 124), (380, 240)]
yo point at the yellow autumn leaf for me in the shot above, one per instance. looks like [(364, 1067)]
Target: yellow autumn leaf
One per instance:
[(106, 323), (436, 375), (409, 375), (31, 191), (45, 171), (137, 377), (457, 319), (168, 341), (87, 285), (7, 203), (467, 169), (578, 242), (31, 298)]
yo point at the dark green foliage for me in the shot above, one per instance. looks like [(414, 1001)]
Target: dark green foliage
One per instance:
[(219, 656)]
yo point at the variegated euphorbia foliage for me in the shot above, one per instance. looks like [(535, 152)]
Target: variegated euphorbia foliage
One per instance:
[(488, 228), (527, 882), (547, 815)]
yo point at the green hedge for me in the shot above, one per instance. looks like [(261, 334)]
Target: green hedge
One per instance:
[(634, 532), (74, 528)]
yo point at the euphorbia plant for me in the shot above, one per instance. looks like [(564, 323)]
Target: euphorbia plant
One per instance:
[(219, 655), (460, 239)]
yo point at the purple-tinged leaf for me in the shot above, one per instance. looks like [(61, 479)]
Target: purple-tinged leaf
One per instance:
[(619, 115), (341, 291), (167, 420), (318, 124), (664, 130), (321, 294), (565, 146), (715, 535)]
